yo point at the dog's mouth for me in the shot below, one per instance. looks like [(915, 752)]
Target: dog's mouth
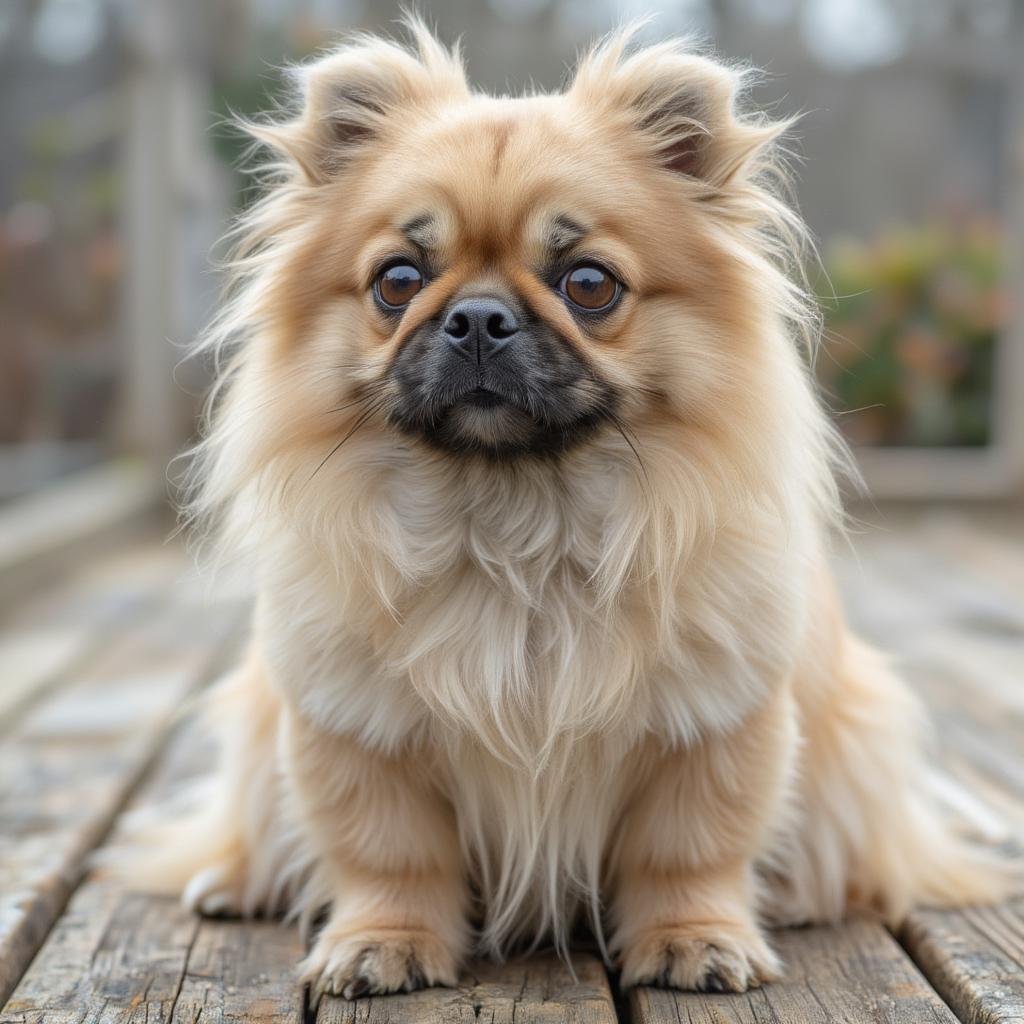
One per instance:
[(482, 397), (497, 423), (483, 414), (536, 397), (482, 392)]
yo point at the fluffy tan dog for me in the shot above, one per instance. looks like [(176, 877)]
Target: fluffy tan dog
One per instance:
[(515, 431)]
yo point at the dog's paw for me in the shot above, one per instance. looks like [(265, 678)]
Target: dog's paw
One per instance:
[(722, 957), (216, 891), (377, 962)]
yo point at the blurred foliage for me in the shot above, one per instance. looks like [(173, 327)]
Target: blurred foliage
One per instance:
[(60, 268), (252, 85), (910, 337)]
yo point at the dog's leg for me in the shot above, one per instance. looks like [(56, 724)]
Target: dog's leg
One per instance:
[(388, 852), (684, 899)]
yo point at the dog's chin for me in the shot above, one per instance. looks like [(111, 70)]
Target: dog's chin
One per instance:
[(484, 423)]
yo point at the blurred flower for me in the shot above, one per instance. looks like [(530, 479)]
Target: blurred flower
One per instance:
[(911, 333)]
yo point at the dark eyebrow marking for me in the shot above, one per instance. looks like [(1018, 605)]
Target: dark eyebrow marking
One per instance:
[(564, 233), (421, 231)]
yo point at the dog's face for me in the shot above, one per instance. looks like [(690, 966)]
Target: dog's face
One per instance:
[(496, 359), (491, 297), (499, 293), (510, 278)]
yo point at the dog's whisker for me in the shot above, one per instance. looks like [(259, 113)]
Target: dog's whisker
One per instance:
[(363, 418), (621, 428)]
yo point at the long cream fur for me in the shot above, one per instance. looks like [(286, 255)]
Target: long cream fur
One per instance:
[(484, 698)]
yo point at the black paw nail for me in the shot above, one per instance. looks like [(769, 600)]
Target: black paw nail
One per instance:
[(414, 975), (713, 983), (356, 988)]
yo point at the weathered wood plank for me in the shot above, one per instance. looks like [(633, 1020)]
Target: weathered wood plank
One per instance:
[(982, 546), (111, 958), (241, 971), (73, 514), (540, 989), (116, 956), (958, 637), (938, 569), (75, 758), (964, 652), (857, 974), (974, 958), (54, 631)]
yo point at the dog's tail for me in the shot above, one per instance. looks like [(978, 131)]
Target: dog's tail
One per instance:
[(872, 830)]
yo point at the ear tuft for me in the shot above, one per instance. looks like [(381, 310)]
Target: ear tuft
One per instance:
[(683, 104), (350, 96)]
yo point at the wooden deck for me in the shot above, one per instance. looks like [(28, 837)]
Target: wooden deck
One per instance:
[(97, 666)]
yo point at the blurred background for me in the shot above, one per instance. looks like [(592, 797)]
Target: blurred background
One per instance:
[(117, 177)]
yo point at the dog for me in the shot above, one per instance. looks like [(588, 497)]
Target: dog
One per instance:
[(515, 430)]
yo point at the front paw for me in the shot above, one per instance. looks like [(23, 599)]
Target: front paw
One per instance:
[(374, 962), (705, 957)]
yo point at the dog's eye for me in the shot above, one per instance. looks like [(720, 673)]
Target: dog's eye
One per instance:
[(590, 287), (398, 285)]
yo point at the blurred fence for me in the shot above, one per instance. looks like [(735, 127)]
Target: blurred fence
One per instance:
[(117, 181)]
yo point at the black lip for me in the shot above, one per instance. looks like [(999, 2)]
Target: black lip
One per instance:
[(483, 398)]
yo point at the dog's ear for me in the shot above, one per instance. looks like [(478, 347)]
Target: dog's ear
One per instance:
[(684, 105), (352, 96)]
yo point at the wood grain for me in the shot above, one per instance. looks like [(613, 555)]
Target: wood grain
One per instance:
[(540, 989), (111, 958), (974, 958), (75, 758), (117, 956), (857, 974), (53, 632), (132, 958), (241, 971), (948, 599)]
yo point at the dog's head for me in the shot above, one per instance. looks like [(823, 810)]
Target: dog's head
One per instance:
[(513, 278)]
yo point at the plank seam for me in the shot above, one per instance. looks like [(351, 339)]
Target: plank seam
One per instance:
[(942, 990), (218, 660), (184, 973)]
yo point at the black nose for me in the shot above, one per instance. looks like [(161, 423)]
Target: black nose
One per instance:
[(479, 328)]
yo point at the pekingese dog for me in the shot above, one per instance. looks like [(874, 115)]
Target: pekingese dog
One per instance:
[(516, 432)]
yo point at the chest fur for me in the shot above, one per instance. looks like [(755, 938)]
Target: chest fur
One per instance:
[(520, 624)]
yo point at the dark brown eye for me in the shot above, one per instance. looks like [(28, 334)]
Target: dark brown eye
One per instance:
[(589, 287), (398, 285)]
